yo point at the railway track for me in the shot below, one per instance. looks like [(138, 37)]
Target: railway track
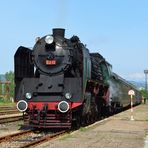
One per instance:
[(8, 112), (44, 139), (4, 110), (27, 138), (7, 107), (15, 135), (7, 119), (32, 138)]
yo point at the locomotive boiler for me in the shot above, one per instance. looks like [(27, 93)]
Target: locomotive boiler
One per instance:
[(60, 84)]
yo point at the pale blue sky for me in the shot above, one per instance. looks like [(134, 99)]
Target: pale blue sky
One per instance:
[(118, 29)]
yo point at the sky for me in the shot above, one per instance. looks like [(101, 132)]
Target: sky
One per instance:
[(117, 29)]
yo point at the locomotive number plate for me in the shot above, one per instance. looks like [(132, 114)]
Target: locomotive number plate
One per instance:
[(50, 62)]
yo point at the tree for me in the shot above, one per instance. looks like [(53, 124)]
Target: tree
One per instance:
[(144, 93), (10, 77)]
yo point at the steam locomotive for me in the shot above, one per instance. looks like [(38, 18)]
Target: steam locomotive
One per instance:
[(60, 84)]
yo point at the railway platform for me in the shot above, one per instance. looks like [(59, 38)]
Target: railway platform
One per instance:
[(117, 131)]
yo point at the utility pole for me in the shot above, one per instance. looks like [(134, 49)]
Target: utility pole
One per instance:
[(145, 72)]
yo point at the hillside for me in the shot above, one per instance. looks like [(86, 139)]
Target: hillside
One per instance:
[(139, 84)]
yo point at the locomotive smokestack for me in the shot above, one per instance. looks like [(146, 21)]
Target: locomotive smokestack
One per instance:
[(58, 32)]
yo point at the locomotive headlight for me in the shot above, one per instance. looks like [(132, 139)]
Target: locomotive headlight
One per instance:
[(63, 106), (28, 95), (68, 95), (22, 105), (49, 39)]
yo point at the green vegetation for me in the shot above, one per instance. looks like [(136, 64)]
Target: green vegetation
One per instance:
[(20, 125), (67, 136), (144, 93), (6, 102), (83, 129), (10, 77), (7, 86)]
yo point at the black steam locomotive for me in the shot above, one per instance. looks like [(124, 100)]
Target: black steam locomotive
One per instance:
[(60, 84)]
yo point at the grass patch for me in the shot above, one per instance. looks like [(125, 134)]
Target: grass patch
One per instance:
[(20, 125), (6, 102), (66, 137), (83, 129)]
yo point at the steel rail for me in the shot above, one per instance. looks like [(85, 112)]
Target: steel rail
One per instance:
[(7, 107), (44, 139), (11, 119), (15, 135), (9, 112)]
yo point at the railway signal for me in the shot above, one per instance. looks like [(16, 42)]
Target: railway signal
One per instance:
[(131, 93)]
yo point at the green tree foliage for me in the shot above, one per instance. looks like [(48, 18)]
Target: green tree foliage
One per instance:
[(144, 93), (0, 89), (10, 77)]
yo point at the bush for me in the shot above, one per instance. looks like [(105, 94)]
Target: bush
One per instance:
[(144, 93), (6, 102)]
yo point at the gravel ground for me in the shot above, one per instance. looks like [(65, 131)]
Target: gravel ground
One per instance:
[(10, 128), (116, 132), (22, 140)]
